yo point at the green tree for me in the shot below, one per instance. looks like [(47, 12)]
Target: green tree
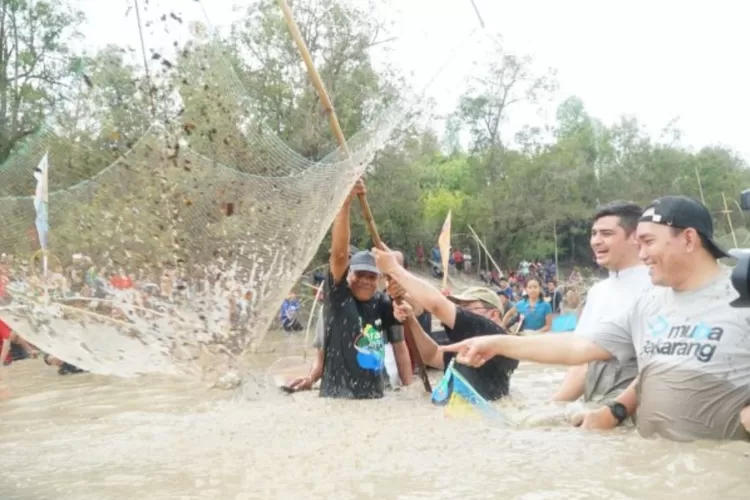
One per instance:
[(33, 64), (339, 36)]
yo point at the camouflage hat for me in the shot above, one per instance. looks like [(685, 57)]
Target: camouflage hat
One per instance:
[(478, 293)]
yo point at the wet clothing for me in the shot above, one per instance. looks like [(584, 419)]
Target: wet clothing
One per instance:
[(354, 342), (492, 380), (605, 301), (693, 353)]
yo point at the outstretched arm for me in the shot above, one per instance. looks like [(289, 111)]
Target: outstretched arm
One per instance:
[(425, 294), (549, 349), (316, 371)]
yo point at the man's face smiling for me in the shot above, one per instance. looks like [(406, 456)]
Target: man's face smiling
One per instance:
[(610, 242), (665, 252), (363, 284)]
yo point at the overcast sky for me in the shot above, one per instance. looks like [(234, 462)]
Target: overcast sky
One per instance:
[(656, 60)]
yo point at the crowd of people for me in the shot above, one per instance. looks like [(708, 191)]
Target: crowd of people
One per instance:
[(658, 341)]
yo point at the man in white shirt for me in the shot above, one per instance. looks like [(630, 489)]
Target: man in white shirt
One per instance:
[(692, 346), (616, 249)]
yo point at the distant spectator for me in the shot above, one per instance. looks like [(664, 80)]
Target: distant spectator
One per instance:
[(555, 296), (288, 314)]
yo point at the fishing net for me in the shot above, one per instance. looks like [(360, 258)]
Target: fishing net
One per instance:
[(194, 218)]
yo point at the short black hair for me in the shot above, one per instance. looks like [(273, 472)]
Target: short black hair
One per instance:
[(627, 212)]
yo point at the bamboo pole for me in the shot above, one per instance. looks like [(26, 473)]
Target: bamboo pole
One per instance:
[(336, 128), (726, 212), (145, 59), (700, 186), (487, 252)]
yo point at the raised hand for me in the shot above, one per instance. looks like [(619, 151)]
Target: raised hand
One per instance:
[(395, 290), (402, 311), (385, 260), (358, 189)]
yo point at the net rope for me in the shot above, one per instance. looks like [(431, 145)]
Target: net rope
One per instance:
[(184, 245)]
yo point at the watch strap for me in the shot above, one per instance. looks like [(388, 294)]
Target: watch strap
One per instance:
[(618, 411)]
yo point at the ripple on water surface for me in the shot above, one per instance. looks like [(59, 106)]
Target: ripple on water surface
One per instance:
[(89, 437)]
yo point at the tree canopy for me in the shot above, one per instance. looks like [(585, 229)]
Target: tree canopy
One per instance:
[(517, 191)]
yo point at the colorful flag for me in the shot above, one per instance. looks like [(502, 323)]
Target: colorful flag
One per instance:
[(444, 243), (41, 200), (461, 399)]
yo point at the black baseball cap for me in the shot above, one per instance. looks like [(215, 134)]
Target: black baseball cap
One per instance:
[(740, 282), (683, 212)]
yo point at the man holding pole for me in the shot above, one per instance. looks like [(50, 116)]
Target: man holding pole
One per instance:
[(359, 320), (476, 311)]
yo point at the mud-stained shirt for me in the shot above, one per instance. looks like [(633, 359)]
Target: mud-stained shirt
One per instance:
[(693, 352), (607, 300)]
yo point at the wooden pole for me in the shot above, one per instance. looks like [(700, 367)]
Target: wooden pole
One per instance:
[(557, 264), (726, 212), (486, 251), (336, 128), (145, 59), (700, 186), (479, 256), (486, 256)]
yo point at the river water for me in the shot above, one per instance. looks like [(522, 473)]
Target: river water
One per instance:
[(95, 437)]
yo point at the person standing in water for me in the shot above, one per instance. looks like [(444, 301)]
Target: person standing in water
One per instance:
[(536, 312), (475, 311), (359, 320), (613, 241), (691, 341)]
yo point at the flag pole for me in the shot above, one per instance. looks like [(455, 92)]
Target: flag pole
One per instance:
[(336, 128), (444, 243), (41, 201)]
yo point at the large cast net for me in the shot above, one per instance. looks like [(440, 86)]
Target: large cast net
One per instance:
[(179, 219)]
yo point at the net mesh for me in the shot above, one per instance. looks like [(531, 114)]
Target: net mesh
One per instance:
[(192, 222)]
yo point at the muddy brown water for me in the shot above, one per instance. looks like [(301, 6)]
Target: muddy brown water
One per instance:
[(94, 437)]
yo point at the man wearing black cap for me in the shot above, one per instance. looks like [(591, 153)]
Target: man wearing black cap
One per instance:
[(358, 322), (692, 346)]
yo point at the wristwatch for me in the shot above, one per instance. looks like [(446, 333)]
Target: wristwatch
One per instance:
[(618, 411)]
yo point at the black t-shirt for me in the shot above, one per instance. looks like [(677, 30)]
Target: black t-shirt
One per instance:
[(492, 380), (354, 344), (425, 321)]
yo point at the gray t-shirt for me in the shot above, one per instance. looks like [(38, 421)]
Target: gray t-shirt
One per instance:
[(693, 352), (605, 301)]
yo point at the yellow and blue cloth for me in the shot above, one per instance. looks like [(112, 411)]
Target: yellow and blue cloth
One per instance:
[(459, 398)]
